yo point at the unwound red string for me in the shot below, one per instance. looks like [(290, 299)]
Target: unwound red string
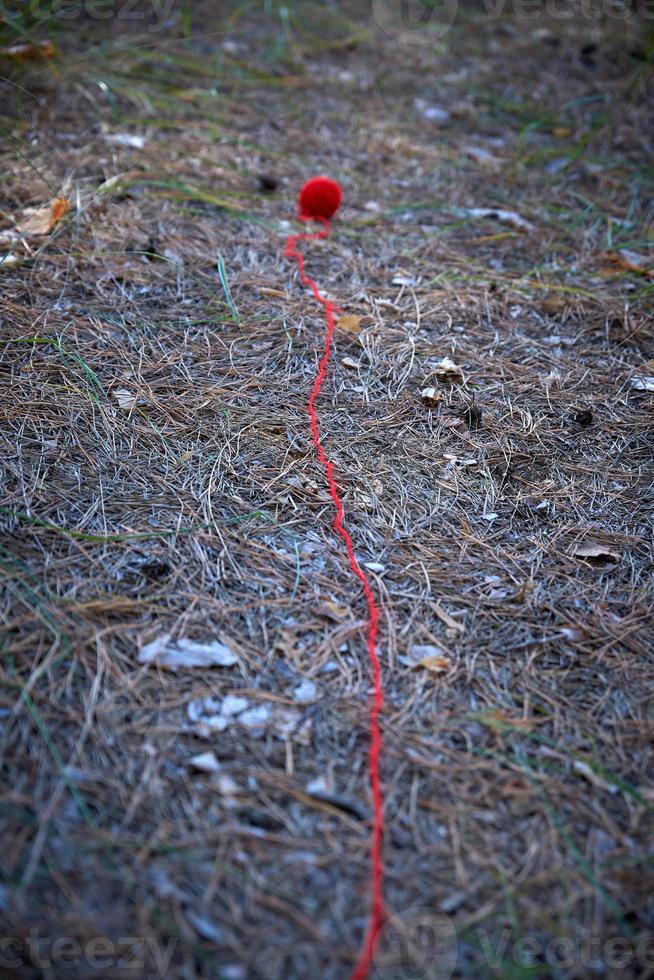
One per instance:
[(376, 918)]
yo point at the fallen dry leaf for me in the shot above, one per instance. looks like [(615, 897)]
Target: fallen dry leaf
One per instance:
[(349, 322), (428, 657), (624, 258), (498, 717), (126, 399), (41, 221), (430, 397), (596, 553), (332, 610), (181, 654), (436, 664), (573, 633), (448, 372), (30, 51)]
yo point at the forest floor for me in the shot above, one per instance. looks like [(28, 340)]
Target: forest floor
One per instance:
[(159, 486)]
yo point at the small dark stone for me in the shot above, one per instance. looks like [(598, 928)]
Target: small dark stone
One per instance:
[(268, 183), (472, 416), (155, 569), (152, 250), (587, 53), (584, 417)]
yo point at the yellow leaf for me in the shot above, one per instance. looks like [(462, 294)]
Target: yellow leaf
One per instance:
[(350, 322)]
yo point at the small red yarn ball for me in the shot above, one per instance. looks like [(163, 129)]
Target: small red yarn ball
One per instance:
[(320, 197)]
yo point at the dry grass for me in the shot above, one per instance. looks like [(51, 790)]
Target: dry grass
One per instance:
[(518, 784)]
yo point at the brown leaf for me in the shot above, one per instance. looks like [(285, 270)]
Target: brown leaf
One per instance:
[(430, 397), (30, 51), (436, 664), (42, 220), (596, 553), (448, 372), (350, 322), (624, 258), (429, 657), (332, 610), (499, 718)]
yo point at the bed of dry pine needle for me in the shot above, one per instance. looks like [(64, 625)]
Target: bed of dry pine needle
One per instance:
[(158, 476)]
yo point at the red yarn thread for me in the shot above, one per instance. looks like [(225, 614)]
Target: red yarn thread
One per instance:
[(376, 918)]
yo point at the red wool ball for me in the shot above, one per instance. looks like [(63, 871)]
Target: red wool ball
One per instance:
[(320, 197)]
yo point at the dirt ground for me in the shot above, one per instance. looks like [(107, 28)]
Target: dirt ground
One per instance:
[(489, 412)]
